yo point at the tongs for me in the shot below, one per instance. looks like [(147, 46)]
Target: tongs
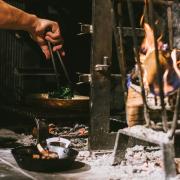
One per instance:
[(55, 68)]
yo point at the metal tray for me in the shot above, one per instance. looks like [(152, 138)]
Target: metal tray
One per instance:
[(42, 100)]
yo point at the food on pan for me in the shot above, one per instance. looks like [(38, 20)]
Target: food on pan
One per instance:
[(44, 154), (61, 93)]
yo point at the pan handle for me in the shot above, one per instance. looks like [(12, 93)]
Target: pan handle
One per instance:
[(42, 130)]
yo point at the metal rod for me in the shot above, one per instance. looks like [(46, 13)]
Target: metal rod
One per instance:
[(159, 68), (117, 31), (175, 116), (54, 64), (163, 2), (34, 72), (127, 31), (64, 69), (37, 74), (135, 42), (170, 26)]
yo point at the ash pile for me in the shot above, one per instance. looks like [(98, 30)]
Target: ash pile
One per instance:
[(140, 162)]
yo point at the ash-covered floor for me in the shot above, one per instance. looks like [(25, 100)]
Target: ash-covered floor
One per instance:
[(140, 162)]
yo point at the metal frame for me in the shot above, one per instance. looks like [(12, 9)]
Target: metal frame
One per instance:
[(147, 134), (104, 25), (124, 140)]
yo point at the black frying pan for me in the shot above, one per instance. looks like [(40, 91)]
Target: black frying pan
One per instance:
[(23, 156)]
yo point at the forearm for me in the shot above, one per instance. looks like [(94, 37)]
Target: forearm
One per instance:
[(14, 18)]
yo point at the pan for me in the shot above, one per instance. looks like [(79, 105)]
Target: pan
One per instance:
[(23, 156), (42, 100)]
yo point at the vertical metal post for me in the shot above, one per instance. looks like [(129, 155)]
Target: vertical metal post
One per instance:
[(135, 42), (175, 116), (100, 84), (169, 19), (168, 159), (118, 36), (159, 68)]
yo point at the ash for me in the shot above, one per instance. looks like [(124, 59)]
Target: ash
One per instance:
[(26, 140), (140, 162)]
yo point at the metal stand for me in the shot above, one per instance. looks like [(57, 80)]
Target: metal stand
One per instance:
[(125, 137), (124, 140), (100, 75), (106, 23)]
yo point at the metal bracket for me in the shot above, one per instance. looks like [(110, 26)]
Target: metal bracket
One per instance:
[(85, 29), (103, 67), (146, 135), (84, 78)]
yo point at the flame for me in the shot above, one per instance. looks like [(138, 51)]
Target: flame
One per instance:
[(168, 61)]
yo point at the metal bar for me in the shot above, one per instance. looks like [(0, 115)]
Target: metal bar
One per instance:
[(163, 2), (169, 123), (150, 136), (170, 26), (127, 31), (101, 47), (175, 117), (146, 135), (42, 130), (54, 64), (159, 68), (65, 70), (120, 52), (121, 144), (135, 42), (168, 159), (33, 72), (37, 74)]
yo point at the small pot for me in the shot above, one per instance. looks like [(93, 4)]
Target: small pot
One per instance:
[(59, 145)]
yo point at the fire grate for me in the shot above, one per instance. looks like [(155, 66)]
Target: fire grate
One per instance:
[(124, 140), (165, 139)]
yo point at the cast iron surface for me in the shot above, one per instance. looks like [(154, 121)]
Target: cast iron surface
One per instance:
[(42, 100), (23, 156), (100, 85)]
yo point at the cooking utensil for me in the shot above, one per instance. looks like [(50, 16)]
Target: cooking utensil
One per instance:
[(59, 145), (65, 70), (42, 100), (24, 157), (54, 64), (63, 67)]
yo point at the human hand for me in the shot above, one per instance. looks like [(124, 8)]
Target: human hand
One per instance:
[(44, 30)]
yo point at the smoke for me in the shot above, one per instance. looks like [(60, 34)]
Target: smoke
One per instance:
[(176, 24)]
